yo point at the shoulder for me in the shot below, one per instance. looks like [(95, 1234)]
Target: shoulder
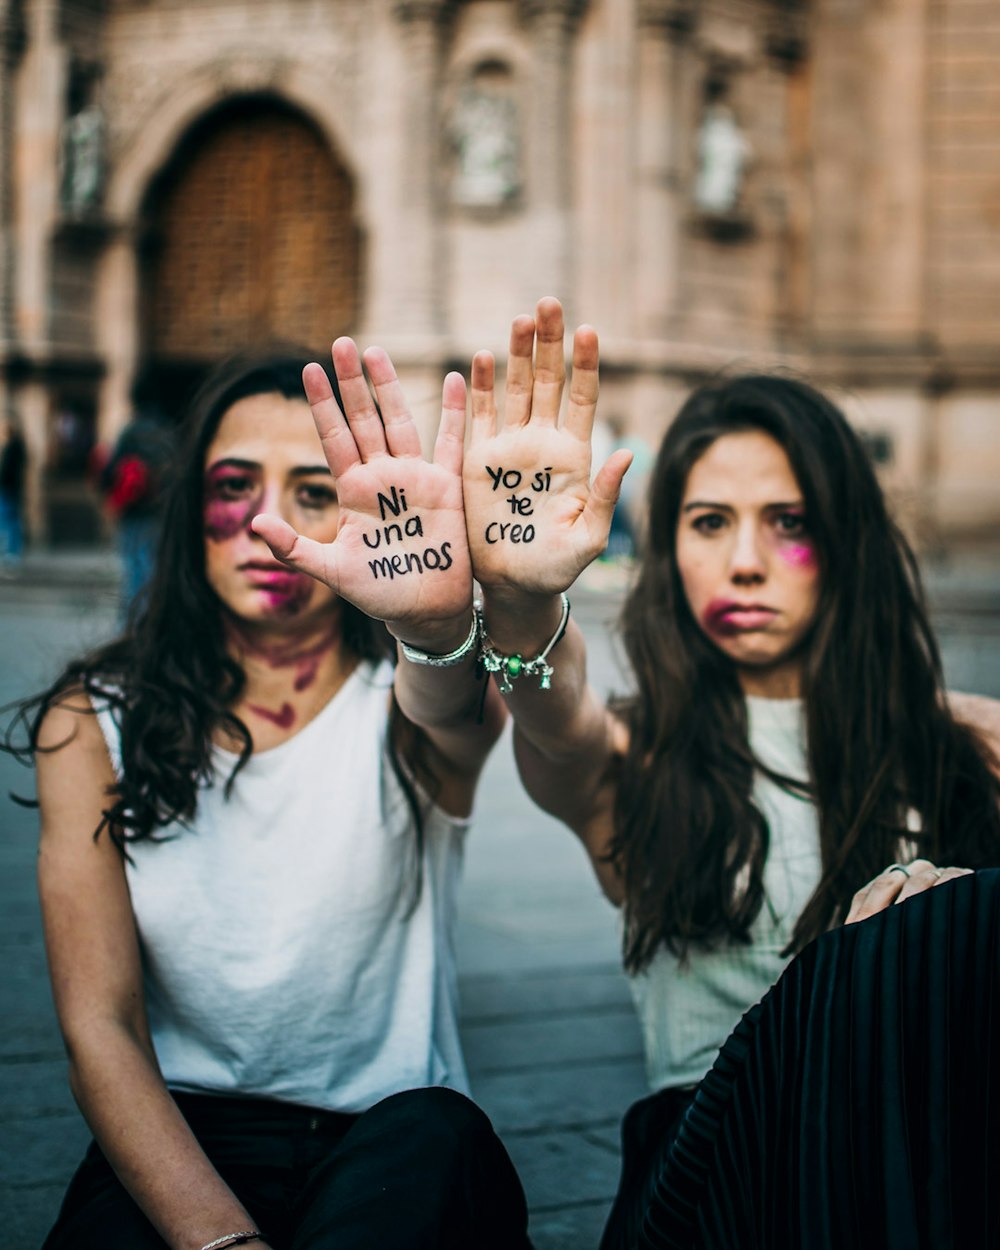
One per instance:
[(980, 713)]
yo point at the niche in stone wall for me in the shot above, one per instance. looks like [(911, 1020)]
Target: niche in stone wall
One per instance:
[(723, 155), (484, 140)]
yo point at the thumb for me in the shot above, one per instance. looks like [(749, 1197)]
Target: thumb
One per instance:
[(305, 555), (604, 492)]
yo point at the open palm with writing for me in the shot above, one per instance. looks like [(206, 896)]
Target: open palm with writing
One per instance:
[(535, 520), (401, 553)]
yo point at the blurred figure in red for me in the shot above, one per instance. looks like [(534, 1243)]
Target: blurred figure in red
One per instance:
[(132, 483)]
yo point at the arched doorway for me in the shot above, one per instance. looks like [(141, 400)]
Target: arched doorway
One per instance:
[(249, 235)]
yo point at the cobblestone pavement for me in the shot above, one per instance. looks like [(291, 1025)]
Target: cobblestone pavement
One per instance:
[(551, 1039)]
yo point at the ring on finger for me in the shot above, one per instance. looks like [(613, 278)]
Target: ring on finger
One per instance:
[(899, 868)]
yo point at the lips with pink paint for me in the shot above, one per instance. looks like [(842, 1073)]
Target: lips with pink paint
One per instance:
[(726, 617), (286, 590)]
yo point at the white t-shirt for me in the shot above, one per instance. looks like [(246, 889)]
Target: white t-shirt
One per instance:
[(688, 1010), (282, 954)]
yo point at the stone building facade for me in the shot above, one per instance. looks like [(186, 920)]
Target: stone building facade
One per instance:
[(803, 183)]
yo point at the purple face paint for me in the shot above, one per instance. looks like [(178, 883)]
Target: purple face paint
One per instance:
[(286, 592), (284, 718), (233, 497)]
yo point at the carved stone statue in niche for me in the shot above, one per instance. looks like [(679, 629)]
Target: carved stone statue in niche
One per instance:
[(723, 155), (484, 134), (83, 160)]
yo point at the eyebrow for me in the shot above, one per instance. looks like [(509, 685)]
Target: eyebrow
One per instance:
[(252, 466), (790, 505)]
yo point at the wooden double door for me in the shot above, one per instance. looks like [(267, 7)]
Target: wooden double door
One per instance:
[(250, 235)]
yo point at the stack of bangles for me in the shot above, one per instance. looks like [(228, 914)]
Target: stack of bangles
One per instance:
[(508, 667)]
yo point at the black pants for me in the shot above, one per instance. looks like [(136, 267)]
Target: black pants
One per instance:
[(856, 1106), (418, 1170)]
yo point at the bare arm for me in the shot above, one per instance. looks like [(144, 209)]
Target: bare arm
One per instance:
[(535, 472), (93, 955), (401, 554), (979, 713)]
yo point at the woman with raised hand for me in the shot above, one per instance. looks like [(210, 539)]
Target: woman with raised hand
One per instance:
[(786, 761), (252, 827)]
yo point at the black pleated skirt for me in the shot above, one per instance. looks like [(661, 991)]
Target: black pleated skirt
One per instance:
[(857, 1105)]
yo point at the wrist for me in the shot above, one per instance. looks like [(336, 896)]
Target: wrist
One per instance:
[(442, 637), (520, 621), (509, 667)]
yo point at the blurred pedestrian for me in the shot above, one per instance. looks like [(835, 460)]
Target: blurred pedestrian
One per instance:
[(132, 482), (13, 469)]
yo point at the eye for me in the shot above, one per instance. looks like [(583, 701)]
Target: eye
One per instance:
[(791, 524), (235, 486), (316, 495), (708, 522)]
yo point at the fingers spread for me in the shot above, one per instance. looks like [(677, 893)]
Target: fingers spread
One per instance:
[(583, 386), (517, 392), (359, 407), (450, 442), (301, 553), (339, 446), (401, 433), (550, 363), (484, 408)]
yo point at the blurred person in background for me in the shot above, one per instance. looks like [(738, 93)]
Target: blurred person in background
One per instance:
[(13, 471), (787, 763), (133, 480), (253, 809)]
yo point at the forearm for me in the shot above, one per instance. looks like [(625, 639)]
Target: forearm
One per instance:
[(148, 1142), (565, 717)]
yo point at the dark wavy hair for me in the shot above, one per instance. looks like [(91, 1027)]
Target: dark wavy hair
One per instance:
[(689, 843), (170, 677)]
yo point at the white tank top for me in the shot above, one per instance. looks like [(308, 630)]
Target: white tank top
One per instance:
[(281, 956), (688, 1010)]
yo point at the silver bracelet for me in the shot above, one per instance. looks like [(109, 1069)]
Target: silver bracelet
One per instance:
[(416, 656), (510, 667), (234, 1239)]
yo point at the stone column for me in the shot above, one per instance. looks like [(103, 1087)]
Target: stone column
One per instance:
[(9, 41), (659, 201), (550, 183), (416, 309)]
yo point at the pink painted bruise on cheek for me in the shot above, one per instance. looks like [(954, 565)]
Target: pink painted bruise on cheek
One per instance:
[(798, 555), (225, 518)]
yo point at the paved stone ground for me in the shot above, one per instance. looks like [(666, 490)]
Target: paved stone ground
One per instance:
[(550, 1036)]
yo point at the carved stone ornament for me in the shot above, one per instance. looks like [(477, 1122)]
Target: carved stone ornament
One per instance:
[(568, 10), (679, 17), (421, 10), (244, 70)]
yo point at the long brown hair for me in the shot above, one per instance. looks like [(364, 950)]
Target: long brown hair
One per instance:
[(170, 677), (689, 842)]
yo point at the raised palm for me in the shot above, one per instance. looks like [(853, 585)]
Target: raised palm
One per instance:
[(534, 518), (401, 553)]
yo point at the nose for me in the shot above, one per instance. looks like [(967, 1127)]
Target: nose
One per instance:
[(270, 501), (748, 562)]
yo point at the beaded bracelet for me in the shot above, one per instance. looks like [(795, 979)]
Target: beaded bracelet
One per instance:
[(510, 667), (234, 1239)]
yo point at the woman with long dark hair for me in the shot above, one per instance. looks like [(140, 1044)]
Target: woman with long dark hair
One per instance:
[(786, 762), (252, 824)]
